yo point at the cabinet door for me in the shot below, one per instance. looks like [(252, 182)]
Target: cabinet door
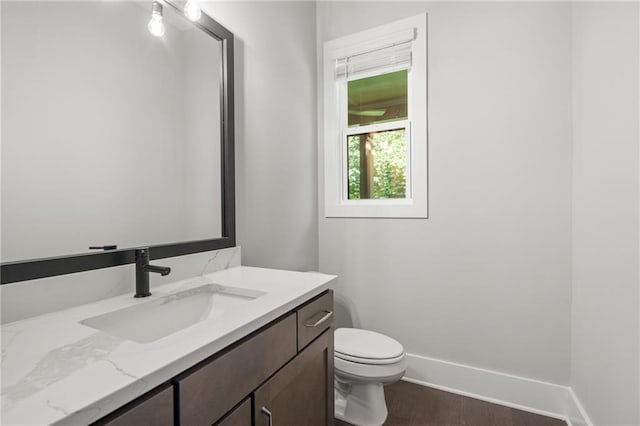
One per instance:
[(301, 393), (239, 416)]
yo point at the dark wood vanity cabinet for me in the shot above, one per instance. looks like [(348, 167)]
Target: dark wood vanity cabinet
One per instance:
[(301, 393), (282, 372), (239, 416), (209, 390), (313, 318), (154, 408)]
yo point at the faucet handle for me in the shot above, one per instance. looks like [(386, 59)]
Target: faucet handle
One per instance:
[(142, 256)]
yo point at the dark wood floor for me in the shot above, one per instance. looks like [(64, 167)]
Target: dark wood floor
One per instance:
[(416, 405)]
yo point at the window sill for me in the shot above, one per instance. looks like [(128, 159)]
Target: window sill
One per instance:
[(377, 209)]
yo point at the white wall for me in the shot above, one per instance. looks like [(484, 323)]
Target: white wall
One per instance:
[(275, 130), (485, 281), (605, 356)]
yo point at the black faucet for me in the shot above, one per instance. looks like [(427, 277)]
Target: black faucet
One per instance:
[(142, 272)]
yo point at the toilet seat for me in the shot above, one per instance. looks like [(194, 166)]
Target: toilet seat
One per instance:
[(366, 347), (383, 373), (370, 361), (368, 355)]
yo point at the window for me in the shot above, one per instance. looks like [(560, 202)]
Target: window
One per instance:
[(376, 137), (375, 122)]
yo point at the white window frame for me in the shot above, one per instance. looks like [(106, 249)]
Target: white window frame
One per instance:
[(336, 202)]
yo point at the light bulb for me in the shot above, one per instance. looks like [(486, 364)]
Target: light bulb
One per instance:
[(192, 10), (156, 24)]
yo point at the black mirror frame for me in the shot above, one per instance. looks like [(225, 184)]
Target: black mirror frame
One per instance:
[(12, 272)]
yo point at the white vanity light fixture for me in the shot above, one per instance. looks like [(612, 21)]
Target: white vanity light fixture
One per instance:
[(156, 24), (192, 10)]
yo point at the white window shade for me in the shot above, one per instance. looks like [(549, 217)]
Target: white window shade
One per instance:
[(390, 54)]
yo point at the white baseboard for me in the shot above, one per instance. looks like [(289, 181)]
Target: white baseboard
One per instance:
[(512, 391)]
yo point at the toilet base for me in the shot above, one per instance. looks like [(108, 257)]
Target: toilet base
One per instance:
[(360, 404)]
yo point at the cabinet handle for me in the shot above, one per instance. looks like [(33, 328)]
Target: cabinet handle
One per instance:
[(324, 318), (268, 413), (107, 247)]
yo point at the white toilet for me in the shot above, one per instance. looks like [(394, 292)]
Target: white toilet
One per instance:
[(365, 361)]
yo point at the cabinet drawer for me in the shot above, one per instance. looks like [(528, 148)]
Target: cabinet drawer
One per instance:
[(240, 416), (152, 409), (210, 391), (314, 317)]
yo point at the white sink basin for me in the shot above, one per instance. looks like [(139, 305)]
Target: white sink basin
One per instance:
[(152, 320)]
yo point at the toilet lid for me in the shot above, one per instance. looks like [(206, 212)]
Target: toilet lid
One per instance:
[(354, 344)]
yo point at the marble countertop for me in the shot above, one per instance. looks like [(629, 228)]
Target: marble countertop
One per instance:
[(56, 370)]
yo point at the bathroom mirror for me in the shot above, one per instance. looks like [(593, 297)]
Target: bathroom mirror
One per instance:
[(112, 136)]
